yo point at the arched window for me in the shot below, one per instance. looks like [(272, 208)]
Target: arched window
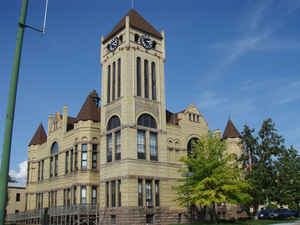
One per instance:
[(190, 147), (54, 148), (146, 120), (113, 123), (54, 160)]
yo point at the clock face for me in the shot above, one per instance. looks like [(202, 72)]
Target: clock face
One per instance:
[(146, 42), (113, 44)]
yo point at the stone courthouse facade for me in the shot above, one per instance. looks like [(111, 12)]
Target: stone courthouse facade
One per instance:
[(116, 162)]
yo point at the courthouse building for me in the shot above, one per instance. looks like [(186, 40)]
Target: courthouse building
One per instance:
[(115, 162)]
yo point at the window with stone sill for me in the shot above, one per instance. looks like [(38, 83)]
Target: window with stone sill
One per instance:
[(147, 121), (113, 126), (94, 156), (84, 156)]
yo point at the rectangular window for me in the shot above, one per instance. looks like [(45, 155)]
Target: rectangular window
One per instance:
[(140, 192), (42, 174), (141, 144), (94, 156), (153, 81), (26, 201), (83, 156), (65, 196), (108, 84), (37, 201), (51, 166), (146, 79), (74, 195), (149, 219), (118, 145), (107, 194), (71, 160), (153, 146), (67, 163), (55, 198), (149, 193), (138, 77), (39, 171), (76, 158), (113, 194), (109, 147), (119, 194), (56, 166), (157, 201), (113, 219), (94, 195), (83, 195), (69, 196), (49, 199), (114, 81), (18, 197), (119, 78)]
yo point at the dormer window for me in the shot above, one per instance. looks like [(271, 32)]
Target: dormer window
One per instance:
[(121, 38), (136, 38), (154, 44)]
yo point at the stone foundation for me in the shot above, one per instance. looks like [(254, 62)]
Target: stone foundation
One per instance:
[(141, 216)]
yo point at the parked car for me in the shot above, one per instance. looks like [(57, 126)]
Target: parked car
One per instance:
[(281, 213), (263, 214)]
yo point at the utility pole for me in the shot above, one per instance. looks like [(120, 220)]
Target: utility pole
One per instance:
[(10, 113)]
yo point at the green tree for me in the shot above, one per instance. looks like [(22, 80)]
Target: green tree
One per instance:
[(288, 178), (259, 161), (212, 176)]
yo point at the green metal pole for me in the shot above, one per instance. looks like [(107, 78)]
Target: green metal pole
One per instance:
[(10, 113)]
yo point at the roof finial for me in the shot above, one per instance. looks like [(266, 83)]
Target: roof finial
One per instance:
[(132, 4), (229, 117)]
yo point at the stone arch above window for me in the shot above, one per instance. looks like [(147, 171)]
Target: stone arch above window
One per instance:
[(114, 122), (54, 148), (146, 120), (190, 148)]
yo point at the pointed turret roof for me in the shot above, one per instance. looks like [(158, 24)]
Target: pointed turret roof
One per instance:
[(231, 131), (90, 109), (40, 136), (136, 21)]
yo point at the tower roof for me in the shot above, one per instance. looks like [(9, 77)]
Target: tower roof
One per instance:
[(40, 136), (136, 21), (90, 109), (231, 131)]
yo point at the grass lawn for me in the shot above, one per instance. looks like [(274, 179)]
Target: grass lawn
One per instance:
[(246, 222)]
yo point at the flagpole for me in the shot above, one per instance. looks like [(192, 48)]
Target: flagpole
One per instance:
[(10, 113)]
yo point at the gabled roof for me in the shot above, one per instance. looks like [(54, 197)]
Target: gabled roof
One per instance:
[(231, 131), (40, 136), (136, 21), (90, 109)]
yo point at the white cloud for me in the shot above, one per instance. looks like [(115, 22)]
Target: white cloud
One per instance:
[(21, 174), (209, 99), (258, 28)]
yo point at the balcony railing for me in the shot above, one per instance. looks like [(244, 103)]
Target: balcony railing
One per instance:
[(55, 211)]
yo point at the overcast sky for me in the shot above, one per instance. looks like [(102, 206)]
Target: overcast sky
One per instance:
[(233, 57)]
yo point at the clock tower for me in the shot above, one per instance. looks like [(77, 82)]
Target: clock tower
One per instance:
[(133, 120)]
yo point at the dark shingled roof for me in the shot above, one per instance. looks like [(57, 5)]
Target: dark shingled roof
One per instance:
[(136, 21), (90, 109), (40, 136), (171, 118), (231, 131)]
